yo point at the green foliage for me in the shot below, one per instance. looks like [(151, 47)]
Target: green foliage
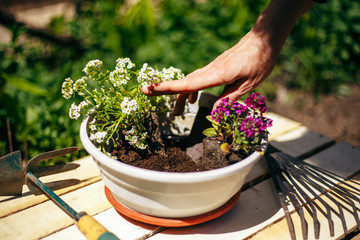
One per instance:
[(321, 55), (323, 51)]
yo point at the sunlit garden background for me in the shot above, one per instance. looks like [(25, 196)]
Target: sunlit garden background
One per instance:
[(320, 58)]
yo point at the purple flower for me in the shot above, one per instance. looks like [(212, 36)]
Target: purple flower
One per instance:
[(238, 108), (248, 126), (256, 101), (252, 125), (221, 110), (225, 101), (265, 123)]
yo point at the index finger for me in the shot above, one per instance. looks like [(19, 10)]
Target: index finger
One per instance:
[(195, 81)]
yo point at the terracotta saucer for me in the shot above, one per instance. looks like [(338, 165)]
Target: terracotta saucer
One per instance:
[(170, 222)]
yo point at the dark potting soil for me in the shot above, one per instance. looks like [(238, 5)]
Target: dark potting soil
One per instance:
[(175, 158)]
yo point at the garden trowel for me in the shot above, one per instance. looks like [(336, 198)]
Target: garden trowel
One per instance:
[(14, 173)]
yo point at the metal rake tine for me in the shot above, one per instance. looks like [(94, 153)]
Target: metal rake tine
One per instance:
[(351, 203), (307, 203), (290, 193), (299, 178), (335, 186), (341, 193), (274, 170), (306, 174), (334, 175)]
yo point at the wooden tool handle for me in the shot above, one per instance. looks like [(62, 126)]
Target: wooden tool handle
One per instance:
[(92, 229)]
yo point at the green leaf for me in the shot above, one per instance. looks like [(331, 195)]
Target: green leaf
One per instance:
[(209, 118), (23, 84), (210, 132), (215, 126)]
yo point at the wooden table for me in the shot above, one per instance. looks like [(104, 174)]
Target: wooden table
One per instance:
[(257, 214)]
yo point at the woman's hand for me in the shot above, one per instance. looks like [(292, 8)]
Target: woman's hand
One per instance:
[(244, 66)]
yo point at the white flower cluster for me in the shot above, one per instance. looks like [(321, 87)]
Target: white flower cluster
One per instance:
[(148, 75), (74, 111), (98, 137), (128, 106), (120, 76), (171, 73), (136, 139), (67, 88), (124, 63), (93, 67)]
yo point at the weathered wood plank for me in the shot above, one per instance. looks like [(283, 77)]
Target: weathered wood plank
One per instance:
[(86, 174), (341, 158), (281, 125), (45, 218), (113, 221), (300, 141)]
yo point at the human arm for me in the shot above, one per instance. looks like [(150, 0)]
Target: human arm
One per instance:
[(244, 66)]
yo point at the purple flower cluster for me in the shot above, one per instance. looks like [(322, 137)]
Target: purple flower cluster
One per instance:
[(254, 125), (225, 108), (256, 102)]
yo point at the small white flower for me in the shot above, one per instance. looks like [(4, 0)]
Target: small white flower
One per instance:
[(84, 104), (124, 63), (74, 112), (131, 131), (100, 136), (80, 85), (92, 137), (128, 106), (142, 145), (171, 73), (93, 67), (92, 127), (148, 75), (119, 77), (67, 88)]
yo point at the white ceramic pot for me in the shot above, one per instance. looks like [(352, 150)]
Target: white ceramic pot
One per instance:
[(169, 195)]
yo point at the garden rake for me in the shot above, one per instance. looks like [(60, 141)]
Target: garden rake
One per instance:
[(14, 173), (316, 190)]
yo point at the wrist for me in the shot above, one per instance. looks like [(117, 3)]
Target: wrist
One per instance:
[(275, 23)]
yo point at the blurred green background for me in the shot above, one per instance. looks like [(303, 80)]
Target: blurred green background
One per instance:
[(321, 56)]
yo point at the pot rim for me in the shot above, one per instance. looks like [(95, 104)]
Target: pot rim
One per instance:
[(158, 176)]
